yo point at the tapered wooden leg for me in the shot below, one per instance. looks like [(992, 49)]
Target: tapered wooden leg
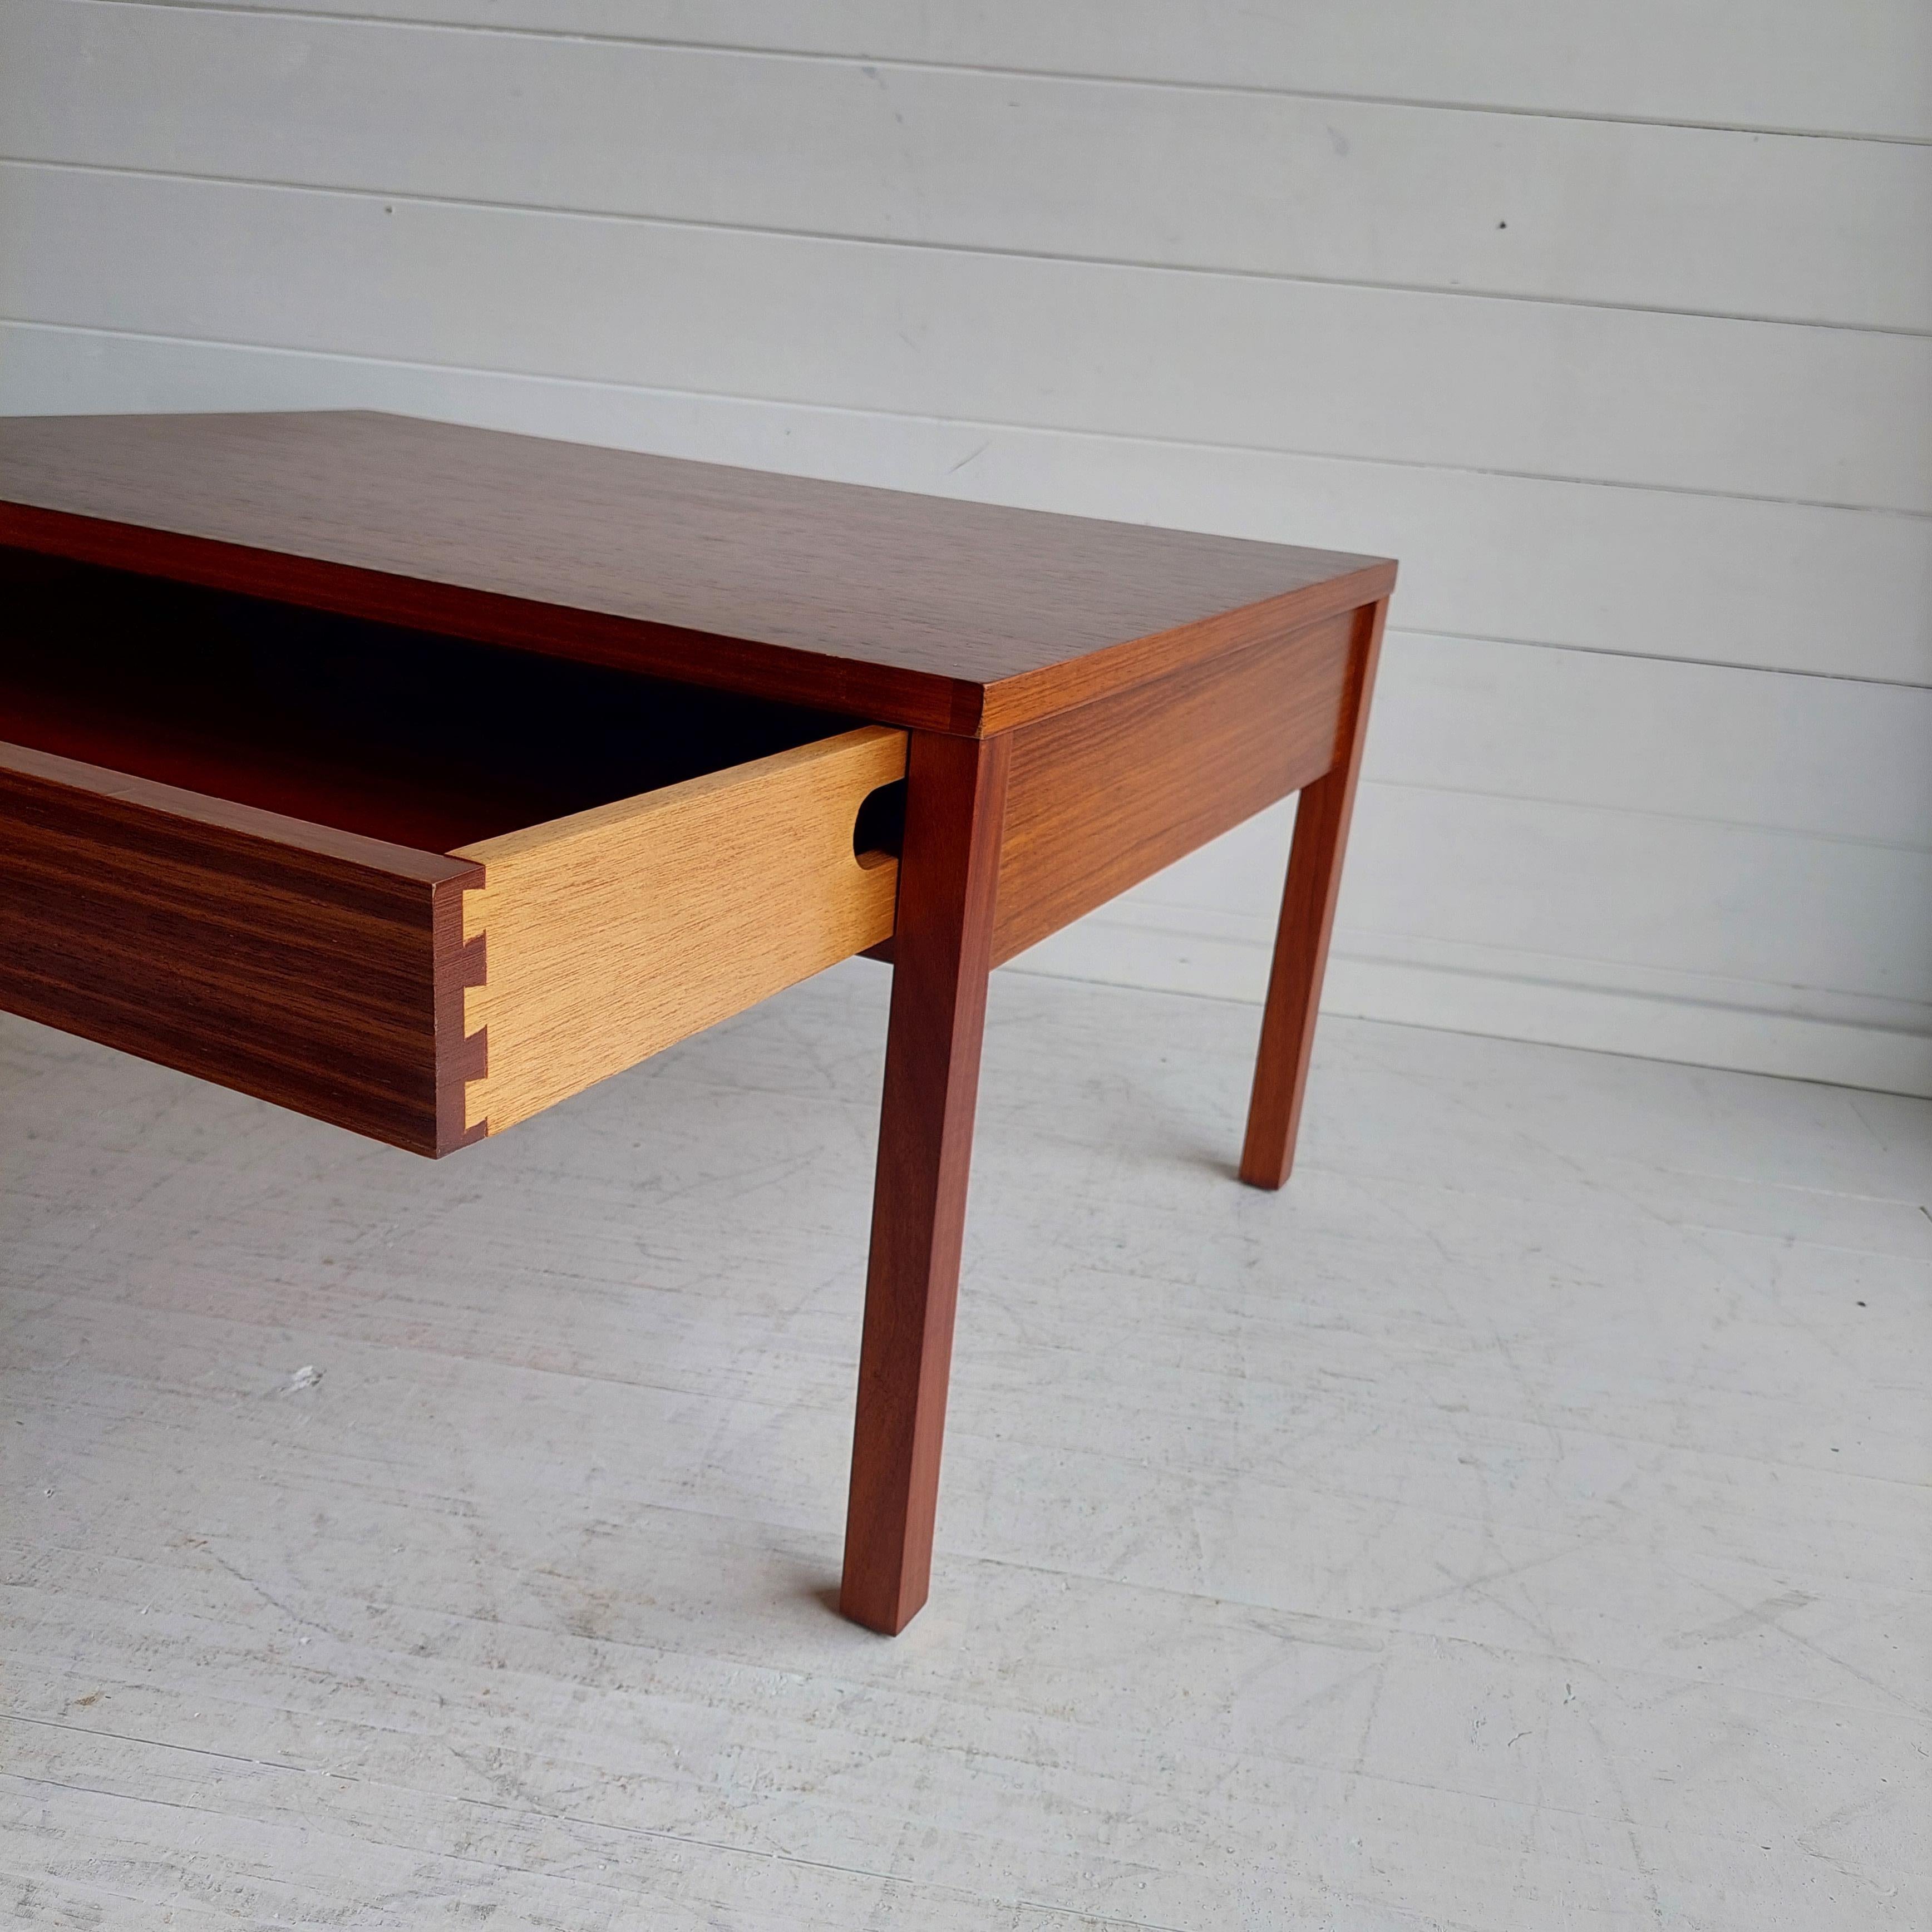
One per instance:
[(1301, 939), (942, 953)]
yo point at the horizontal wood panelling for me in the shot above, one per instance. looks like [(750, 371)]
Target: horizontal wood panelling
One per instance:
[(1600, 929), (1830, 756), (1533, 389), (1684, 218), (1785, 63), (1177, 762), (1783, 911), (1683, 773), (1797, 913), (1616, 1009), (1785, 586), (1739, 901)]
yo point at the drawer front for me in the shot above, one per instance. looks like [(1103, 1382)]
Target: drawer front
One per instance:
[(610, 934), (315, 968), (422, 999)]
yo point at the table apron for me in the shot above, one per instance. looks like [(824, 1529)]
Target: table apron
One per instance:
[(1101, 797)]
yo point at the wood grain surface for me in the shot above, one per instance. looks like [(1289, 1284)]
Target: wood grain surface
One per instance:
[(292, 961), (1307, 920), (913, 611), (612, 933), (1099, 798), (955, 794)]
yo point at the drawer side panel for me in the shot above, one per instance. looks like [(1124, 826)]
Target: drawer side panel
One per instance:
[(295, 974), (612, 935)]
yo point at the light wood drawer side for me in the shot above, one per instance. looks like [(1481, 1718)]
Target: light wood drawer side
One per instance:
[(614, 933)]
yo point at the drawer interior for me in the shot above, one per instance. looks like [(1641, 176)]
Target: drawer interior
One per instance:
[(432, 742)]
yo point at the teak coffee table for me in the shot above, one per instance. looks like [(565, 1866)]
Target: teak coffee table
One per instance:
[(415, 777)]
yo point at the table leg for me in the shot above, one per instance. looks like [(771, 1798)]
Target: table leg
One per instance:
[(1301, 939), (942, 953)]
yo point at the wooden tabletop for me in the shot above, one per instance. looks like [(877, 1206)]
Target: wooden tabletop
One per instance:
[(922, 611)]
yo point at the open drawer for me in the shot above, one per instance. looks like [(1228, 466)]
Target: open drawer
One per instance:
[(418, 887)]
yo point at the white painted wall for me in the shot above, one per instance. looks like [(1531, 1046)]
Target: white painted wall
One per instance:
[(1614, 322)]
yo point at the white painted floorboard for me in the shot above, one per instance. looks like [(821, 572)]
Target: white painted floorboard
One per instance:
[(1519, 1522)]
